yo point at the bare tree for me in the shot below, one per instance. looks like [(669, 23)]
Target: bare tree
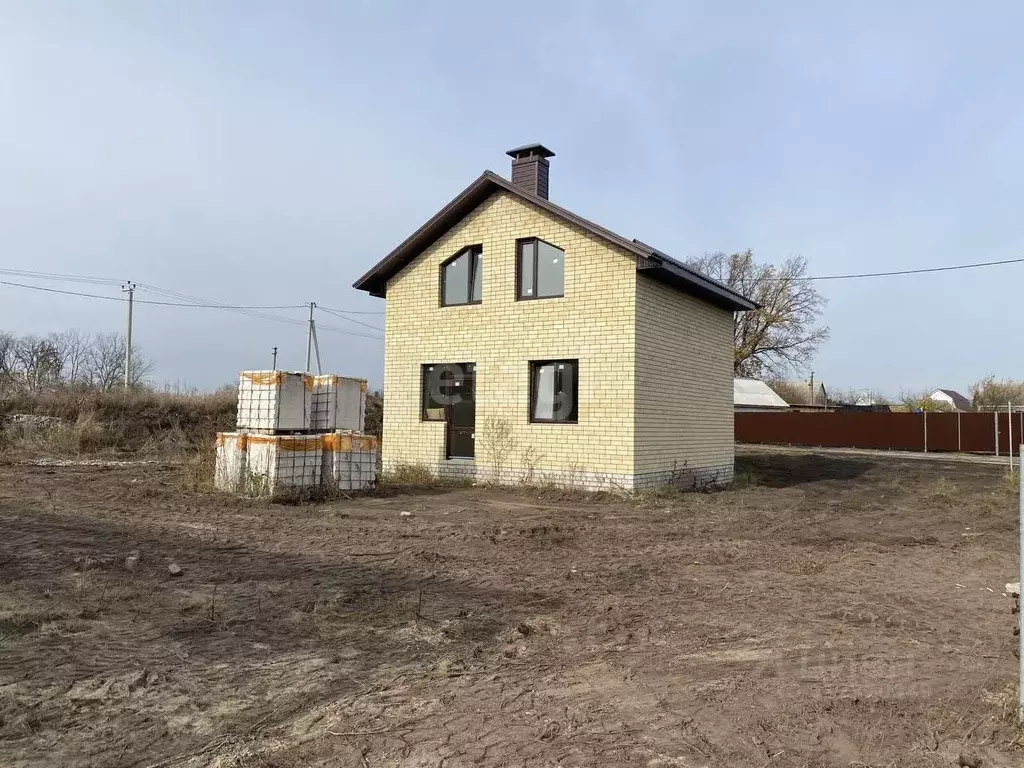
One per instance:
[(990, 392), (72, 349), (922, 401), (782, 334), (37, 363), (854, 396), (7, 364), (792, 392), (104, 362)]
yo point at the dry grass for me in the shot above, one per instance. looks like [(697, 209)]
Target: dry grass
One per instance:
[(197, 471), (405, 478), (944, 489), (141, 421), (746, 479), (408, 474)]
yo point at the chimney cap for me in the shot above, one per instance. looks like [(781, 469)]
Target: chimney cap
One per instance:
[(530, 150)]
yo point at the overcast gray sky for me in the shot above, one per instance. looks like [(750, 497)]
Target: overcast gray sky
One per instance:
[(269, 153)]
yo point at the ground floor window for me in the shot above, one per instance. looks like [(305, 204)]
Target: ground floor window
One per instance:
[(554, 391), (443, 385)]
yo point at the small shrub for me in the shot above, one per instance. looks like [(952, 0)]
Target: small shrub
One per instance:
[(659, 496), (88, 434), (529, 459), (499, 441), (255, 484), (407, 474), (573, 480), (197, 471), (312, 495), (374, 419)]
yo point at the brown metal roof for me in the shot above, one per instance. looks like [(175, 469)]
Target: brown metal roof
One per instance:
[(650, 261), (960, 402)]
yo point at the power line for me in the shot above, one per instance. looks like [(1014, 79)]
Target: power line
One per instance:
[(199, 302), (61, 277), (255, 311), (335, 329), (218, 306), (206, 305), (335, 312), (195, 302), (66, 293), (64, 277), (212, 304), (248, 312), (918, 271), (149, 301), (348, 311)]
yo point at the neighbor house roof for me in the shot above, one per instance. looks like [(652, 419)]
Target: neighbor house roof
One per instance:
[(960, 402), (754, 393), (650, 261), (820, 392)]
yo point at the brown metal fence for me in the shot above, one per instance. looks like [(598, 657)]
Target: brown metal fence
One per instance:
[(967, 432)]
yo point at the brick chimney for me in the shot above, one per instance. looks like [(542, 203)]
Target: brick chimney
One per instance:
[(530, 168)]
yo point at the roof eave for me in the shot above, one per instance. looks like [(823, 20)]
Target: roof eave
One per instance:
[(649, 261), (375, 280), (694, 284)]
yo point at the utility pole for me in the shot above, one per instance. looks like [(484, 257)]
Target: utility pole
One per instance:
[(316, 348), (1020, 577), (309, 337), (275, 358), (128, 288), (810, 388)]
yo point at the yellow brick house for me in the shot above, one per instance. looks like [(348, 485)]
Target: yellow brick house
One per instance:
[(524, 343)]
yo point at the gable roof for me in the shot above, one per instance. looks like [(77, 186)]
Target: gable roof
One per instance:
[(960, 402), (754, 393), (807, 395), (650, 261)]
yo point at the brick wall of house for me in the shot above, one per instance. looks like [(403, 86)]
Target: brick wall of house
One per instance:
[(593, 322), (684, 388)]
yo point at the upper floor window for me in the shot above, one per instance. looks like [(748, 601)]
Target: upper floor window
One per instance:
[(541, 270), (462, 277)]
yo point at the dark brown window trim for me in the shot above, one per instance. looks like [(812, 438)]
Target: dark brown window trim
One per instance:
[(533, 365), (519, 243), (475, 250)]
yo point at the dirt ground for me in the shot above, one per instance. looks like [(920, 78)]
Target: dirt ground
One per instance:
[(838, 611)]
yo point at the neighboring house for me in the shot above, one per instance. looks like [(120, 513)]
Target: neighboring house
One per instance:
[(872, 406), (866, 401), (807, 394), (952, 398), (524, 342), (755, 395)]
